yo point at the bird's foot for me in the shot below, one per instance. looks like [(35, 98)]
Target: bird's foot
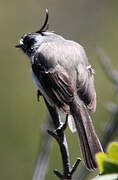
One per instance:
[(62, 126)]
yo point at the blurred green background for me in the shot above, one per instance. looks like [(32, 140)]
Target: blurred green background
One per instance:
[(88, 22)]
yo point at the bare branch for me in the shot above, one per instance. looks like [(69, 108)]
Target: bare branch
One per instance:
[(60, 137), (75, 166), (104, 60)]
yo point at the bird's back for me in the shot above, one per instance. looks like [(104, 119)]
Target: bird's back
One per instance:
[(55, 50)]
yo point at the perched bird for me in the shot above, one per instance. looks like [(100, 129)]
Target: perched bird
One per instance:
[(64, 77)]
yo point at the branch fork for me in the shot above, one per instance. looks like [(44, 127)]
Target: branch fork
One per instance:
[(60, 137)]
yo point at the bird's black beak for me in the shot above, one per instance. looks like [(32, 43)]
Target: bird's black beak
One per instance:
[(18, 45)]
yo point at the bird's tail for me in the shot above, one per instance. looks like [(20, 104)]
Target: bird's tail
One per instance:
[(88, 139)]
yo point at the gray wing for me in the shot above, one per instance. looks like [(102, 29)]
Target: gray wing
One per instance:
[(57, 85), (71, 56)]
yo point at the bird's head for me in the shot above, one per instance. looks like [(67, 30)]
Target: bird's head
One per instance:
[(31, 41)]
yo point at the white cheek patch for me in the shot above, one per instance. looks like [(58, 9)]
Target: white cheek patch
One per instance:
[(21, 41)]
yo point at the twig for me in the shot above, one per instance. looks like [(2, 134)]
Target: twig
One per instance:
[(104, 60), (112, 126), (60, 137), (110, 130), (74, 167)]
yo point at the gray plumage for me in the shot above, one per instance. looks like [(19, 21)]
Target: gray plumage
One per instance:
[(56, 52), (63, 75)]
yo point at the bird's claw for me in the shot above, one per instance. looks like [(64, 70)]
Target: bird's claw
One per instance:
[(62, 126)]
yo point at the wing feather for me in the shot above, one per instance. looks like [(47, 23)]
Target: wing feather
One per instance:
[(57, 85), (65, 62)]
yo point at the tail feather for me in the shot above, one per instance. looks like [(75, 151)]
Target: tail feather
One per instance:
[(88, 139)]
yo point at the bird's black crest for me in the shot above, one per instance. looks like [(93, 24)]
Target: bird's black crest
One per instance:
[(45, 25)]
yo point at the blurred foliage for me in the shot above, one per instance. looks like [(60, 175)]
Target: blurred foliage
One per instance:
[(87, 22), (108, 163)]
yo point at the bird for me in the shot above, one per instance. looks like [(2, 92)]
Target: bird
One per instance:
[(65, 78)]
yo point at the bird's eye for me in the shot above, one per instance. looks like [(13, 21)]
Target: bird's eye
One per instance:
[(28, 43)]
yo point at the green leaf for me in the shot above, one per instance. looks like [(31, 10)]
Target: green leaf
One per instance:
[(113, 152), (108, 163), (100, 158), (109, 167), (107, 177)]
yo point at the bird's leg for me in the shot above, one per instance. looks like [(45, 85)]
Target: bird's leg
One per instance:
[(62, 126), (38, 95)]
